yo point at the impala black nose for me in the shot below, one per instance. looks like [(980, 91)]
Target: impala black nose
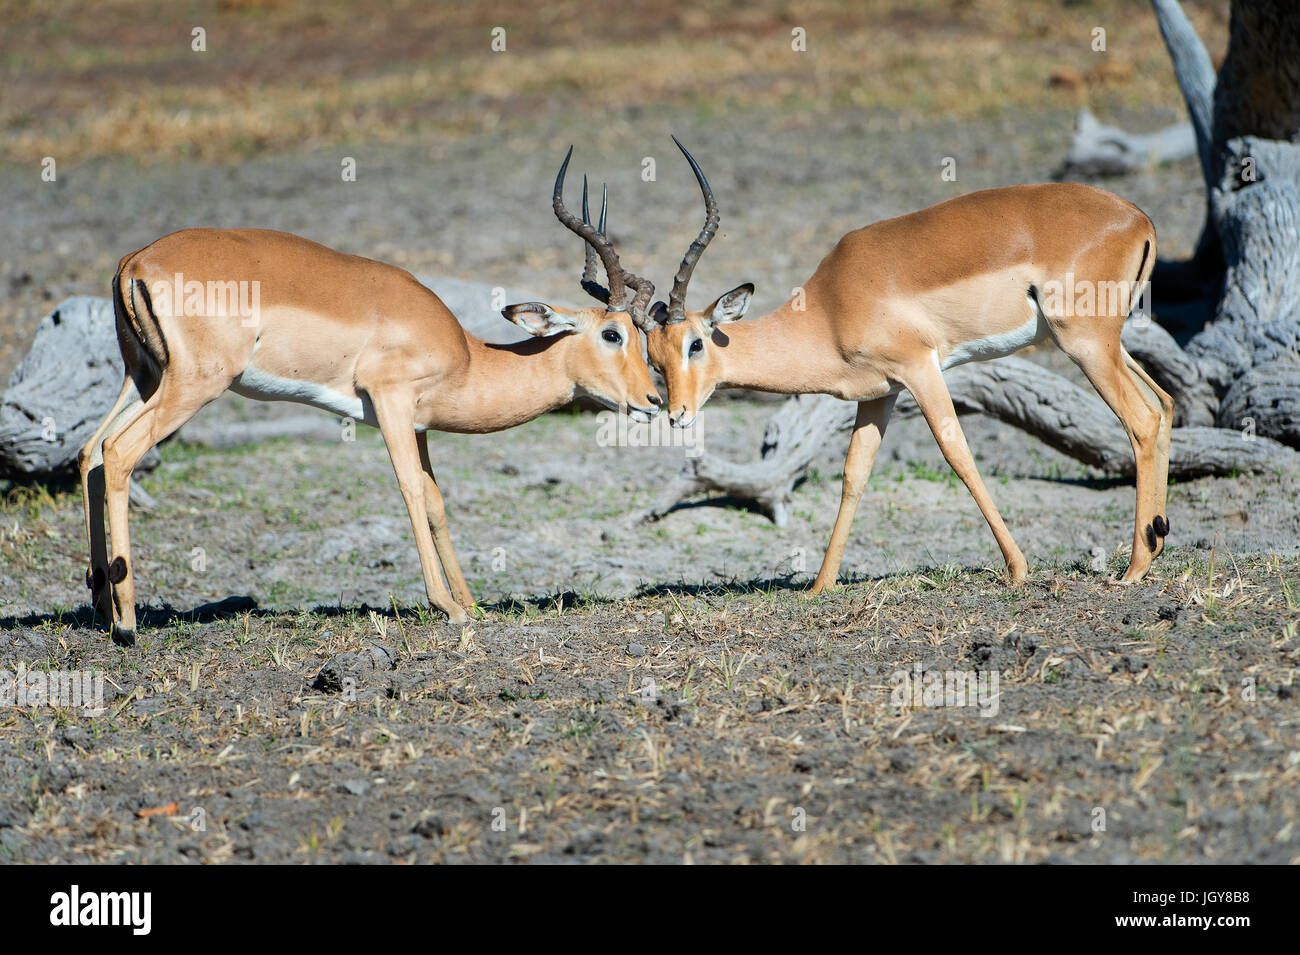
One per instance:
[(654, 400)]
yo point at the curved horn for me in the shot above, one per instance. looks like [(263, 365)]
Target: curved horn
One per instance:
[(617, 295), (639, 309), (588, 281), (677, 298), (598, 243)]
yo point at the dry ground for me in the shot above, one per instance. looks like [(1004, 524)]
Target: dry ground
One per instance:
[(630, 692), (731, 723)]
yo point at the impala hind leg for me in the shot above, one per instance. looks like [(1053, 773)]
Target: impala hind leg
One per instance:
[(433, 503), (1159, 523), (868, 431), (1102, 360), (931, 394), (91, 465), (395, 423), (169, 407)]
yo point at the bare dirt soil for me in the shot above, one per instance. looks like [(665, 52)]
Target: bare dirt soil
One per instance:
[(630, 691)]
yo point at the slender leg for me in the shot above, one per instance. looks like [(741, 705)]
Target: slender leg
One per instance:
[(91, 464), (167, 409), (1102, 361), (438, 522), (868, 431), (394, 414), (931, 393), (1160, 523)]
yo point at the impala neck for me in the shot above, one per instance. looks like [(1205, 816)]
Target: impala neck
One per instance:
[(782, 352), (506, 385)]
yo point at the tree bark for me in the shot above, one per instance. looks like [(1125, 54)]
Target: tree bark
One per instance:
[(1247, 126)]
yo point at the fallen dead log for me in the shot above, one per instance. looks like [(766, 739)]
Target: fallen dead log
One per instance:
[(1032, 398)]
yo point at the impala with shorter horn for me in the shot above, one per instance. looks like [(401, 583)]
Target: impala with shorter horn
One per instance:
[(897, 303), (356, 338)]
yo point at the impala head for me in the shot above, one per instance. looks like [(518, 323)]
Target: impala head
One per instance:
[(688, 346), (604, 349)]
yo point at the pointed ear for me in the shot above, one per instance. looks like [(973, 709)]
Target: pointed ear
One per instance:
[(730, 307), (539, 319)]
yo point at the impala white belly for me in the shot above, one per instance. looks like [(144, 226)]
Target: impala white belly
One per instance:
[(256, 383), (1001, 344)]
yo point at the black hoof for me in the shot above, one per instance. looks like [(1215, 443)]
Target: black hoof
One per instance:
[(1161, 526), (1151, 538), (123, 638)]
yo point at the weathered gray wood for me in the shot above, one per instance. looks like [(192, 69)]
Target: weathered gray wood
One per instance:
[(60, 392), (1058, 412), (1266, 400), (792, 438), (1252, 176), (1195, 75), (1258, 223), (1173, 369), (1101, 150)]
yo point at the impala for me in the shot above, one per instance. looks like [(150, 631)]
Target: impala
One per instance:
[(356, 338), (897, 303)]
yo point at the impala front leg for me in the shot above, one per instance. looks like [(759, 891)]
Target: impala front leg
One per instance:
[(931, 394), (396, 423), (868, 431), (438, 522)]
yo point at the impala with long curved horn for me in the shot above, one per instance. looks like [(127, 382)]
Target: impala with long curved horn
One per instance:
[(896, 303), (356, 338)]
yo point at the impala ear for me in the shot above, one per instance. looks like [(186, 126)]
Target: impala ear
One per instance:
[(539, 319), (730, 307)]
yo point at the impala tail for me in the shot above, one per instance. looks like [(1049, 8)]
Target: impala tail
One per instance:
[(138, 333)]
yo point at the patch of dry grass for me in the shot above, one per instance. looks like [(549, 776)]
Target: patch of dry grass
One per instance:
[(280, 75)]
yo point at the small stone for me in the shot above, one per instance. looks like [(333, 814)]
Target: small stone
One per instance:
[(75, 736), (635, 650), (12, 814), (330, 678), (428, 825)]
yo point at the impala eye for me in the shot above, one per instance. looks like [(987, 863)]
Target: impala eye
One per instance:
[(611, 336), (697, 346)]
